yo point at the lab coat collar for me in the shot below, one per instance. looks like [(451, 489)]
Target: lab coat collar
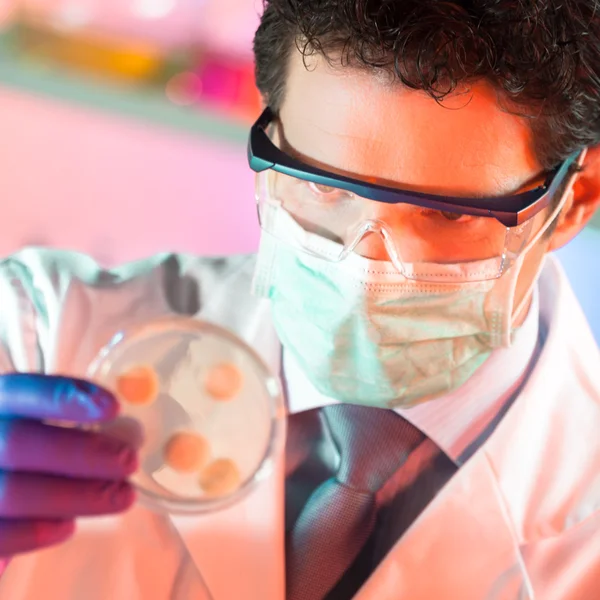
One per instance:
[(533, 449)]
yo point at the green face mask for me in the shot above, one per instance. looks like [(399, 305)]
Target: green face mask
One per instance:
[(364, 333)]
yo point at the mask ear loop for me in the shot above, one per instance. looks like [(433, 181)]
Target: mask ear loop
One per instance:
[(265, 262), (502, 321), (501, 325), (540, 233)]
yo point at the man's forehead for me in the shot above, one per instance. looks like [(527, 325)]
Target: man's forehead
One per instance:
[(358, 122)]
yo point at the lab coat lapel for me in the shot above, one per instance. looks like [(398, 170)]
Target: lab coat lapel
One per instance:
[(543, 451), (461, 547)]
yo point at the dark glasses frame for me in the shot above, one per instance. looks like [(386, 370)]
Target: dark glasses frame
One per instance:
[(511, 211)]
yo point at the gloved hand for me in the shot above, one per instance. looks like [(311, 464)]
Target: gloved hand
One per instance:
[(51, 475)]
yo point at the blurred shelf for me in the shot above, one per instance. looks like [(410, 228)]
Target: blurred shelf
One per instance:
[(148, 105)]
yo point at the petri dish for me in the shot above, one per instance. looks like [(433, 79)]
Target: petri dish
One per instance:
[(209, 410)]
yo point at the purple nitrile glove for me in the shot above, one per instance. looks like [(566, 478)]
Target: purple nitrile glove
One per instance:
[(51, 475)]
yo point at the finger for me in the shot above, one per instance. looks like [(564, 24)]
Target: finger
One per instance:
[(17, 537), (55, 397), (124, 428), (25, 495), (35, 447)]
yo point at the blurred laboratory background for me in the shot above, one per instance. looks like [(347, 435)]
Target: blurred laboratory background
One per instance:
[(123, 126)]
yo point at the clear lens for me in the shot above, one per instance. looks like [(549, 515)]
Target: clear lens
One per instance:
[(418, 239)]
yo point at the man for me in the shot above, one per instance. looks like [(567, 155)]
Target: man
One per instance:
[(417, 162)]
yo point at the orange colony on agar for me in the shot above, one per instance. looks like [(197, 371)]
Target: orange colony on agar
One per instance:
[(139, 386), (186, 452), (220, 478), (223, 381)]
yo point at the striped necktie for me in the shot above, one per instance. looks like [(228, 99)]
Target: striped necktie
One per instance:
[(340, 515)]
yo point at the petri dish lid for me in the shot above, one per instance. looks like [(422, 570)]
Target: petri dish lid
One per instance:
[(210, 412)]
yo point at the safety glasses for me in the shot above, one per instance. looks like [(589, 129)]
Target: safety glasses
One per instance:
[(423, 233)]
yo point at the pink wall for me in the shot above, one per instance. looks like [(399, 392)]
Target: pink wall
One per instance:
[(115, 189), (7, 12)]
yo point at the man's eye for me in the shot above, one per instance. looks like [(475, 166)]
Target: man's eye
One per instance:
[(445, 216), (321, 189), (451, 216)]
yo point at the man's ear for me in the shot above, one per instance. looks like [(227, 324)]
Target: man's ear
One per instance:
[(582, 203)]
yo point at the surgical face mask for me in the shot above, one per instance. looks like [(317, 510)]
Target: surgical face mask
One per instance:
[(364, 333)]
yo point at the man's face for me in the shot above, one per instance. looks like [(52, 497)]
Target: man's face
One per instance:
[(351, 122)]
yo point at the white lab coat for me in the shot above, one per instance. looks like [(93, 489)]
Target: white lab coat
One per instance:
[(521, 519)]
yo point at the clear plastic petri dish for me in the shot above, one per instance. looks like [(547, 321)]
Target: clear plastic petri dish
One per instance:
[(210, 412)]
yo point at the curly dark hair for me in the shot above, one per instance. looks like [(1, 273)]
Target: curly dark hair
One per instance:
[(542, 55)]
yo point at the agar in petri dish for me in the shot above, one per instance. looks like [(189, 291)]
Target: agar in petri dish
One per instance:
[(138, 385), (200, 394), (187, 452), (223, 381), (220, 478)]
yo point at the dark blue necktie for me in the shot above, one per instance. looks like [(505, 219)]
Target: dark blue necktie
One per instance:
[(340, 514)]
